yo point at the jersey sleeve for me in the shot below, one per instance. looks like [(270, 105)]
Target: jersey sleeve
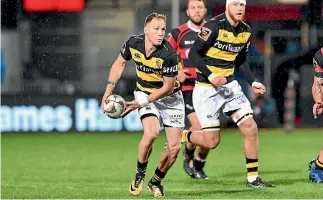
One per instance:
[(125, 50), (170, 68), (208, 34), (246, 47), (242, 63), (243, 55), (173, 37), (318, 64), (204, 41)]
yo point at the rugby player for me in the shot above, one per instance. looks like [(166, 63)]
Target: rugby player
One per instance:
[(158, 98), (316, 165), (182, 39), (220, 48)]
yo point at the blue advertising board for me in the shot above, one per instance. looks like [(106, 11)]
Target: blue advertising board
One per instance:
[(46, 114)]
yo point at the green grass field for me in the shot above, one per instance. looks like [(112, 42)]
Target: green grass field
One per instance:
[(101, 166)]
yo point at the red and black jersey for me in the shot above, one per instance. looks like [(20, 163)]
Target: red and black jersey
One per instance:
[(182, 39)]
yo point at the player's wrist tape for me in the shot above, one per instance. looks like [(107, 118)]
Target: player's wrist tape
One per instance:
[(143, 102), (256, 84), (111, 82), (211, 77)]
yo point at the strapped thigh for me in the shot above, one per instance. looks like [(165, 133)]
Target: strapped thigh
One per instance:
[(242, 114), (214, 126)]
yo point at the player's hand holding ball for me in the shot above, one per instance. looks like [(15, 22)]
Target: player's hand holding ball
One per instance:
[(258, 88), (132, 105), (113, 106), (104, 98)]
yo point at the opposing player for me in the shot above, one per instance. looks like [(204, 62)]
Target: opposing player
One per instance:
[(316, 165), (157, 97), (221, 47), (182, 39)]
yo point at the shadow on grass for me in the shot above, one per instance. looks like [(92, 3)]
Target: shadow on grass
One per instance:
[(210, 192), (264, 172), (280, 181)]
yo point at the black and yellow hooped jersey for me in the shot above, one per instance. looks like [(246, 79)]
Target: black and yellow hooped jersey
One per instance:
[(151, 70), (225, 43)]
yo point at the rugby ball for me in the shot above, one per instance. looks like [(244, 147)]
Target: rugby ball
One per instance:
[(114, 105)]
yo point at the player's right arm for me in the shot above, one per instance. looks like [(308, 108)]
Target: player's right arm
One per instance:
[(116, 70), (317, 92), (317, 88), (204, 41), (170, 70)]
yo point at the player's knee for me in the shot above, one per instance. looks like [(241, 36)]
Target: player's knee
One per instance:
[(174, 150), (250, 128), (212, 144), (150, 135)]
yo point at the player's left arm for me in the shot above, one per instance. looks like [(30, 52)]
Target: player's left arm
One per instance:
[(317, 92), (242, 66), (204, 40), (317, 89), (117, 70)]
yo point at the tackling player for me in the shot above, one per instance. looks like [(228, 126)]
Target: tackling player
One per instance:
[(316, 165), (157, 97), (182, 39), (220, 48)]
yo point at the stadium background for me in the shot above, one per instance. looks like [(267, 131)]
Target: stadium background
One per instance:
[(55, 59)]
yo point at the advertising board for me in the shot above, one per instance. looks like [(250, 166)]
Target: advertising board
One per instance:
[(61, 114)]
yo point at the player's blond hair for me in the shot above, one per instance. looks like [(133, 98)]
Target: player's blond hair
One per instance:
[(154, 15)]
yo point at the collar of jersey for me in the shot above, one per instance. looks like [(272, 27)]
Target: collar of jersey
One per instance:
[(152, 53), (189, 24)]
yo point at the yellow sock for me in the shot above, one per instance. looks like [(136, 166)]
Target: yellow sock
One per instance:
[(318, 164), (184, 136)]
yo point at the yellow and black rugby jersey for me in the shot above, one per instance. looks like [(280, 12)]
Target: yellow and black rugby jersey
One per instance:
[(150, 70), (225, 43)]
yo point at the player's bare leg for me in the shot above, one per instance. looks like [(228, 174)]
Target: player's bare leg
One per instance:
[(151, 131), (171, 153), (208, 139), (249, 129), (316, 165), (320, 158), (194, 167), (150, 151), (205, 139)]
